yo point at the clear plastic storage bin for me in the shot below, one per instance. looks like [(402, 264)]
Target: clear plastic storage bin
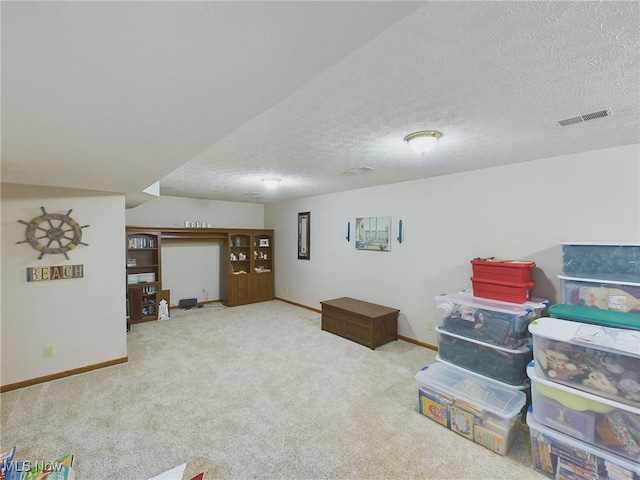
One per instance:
[(475, 408), (602, 294), (606, 424), (604, 361), (523, 387), (502, 364), (561, 456), (617, 261), (490, 321)]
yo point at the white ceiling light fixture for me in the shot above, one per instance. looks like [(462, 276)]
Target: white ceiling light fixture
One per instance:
[(271, 183), (424, 141)]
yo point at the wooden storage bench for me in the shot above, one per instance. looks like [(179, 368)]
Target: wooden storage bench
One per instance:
[(363, 322)]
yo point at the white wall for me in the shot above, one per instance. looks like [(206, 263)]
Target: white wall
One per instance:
[(192, 269), (521, 211), (174, 211), (84, 317)]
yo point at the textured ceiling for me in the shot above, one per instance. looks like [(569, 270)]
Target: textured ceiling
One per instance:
[(210, 97)]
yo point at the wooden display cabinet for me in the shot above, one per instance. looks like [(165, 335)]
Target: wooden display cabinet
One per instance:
[(249, 276), (246, 265), (144, 277)]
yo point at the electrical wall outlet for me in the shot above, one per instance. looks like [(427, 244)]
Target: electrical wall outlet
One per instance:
[(286, 289), (49, 351), (430, 326)]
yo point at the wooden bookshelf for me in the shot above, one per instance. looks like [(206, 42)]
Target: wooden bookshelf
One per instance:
[(246, 264)]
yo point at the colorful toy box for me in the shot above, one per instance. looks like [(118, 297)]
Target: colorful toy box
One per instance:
[(513, 271), (603, 361), (490, 321), (498, 363), (561, 456), (617, 261), (606, 424), (602, 294), (477, 409)]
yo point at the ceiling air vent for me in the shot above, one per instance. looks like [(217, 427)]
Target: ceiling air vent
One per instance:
[(585, 117), (362, 169)]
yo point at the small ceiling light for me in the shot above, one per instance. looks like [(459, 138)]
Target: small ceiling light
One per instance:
[(271, 183), (423, 142)]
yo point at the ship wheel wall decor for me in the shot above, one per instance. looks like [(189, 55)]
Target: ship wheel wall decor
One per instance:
[(53, 233)]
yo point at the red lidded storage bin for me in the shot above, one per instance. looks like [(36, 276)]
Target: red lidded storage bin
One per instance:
[(504, 291), (503, 271)]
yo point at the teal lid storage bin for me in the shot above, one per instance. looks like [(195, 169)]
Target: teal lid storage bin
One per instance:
[(606, 318)]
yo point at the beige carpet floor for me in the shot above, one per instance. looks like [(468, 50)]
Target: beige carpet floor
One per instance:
[(255, 392)]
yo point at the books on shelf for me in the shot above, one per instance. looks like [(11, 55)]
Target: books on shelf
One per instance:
[(133, 278), (142, 242)]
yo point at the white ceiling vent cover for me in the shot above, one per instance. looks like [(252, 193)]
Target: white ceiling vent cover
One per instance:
[(585, 117), (363, 169)]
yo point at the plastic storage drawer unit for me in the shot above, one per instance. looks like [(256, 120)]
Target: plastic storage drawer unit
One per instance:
[(603, 294), (605, 260), (513, 271), (477, 409), (491, 321), (600, 360), (560, 456), (499, 363), (609, 425)]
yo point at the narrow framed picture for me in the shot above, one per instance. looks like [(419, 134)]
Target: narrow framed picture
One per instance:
[(264, 242), (304, 236)]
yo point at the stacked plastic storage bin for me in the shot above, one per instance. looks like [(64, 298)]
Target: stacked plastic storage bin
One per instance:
[(601, 281), (484, 330), (585, 416), (479, 386), (505, 280), (487, 337), (478, 409)]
